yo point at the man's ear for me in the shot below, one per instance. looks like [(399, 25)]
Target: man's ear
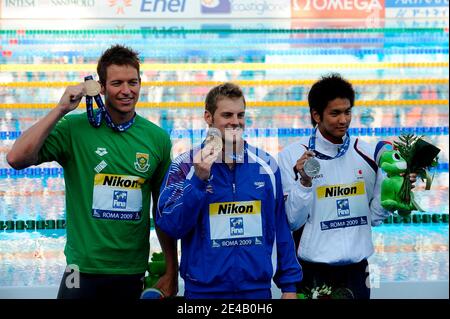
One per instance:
[(102, 90), (208, 117), (316, 116)]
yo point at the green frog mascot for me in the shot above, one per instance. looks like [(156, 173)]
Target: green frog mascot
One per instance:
[(393, 164), (411, 154)]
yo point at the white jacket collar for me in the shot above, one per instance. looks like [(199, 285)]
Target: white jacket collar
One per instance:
[(325, 146)]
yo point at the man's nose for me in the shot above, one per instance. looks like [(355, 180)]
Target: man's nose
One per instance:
[(234, 120), (342, 118), (125, 88)]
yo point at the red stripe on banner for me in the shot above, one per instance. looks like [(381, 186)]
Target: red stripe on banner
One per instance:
[(338, 9)]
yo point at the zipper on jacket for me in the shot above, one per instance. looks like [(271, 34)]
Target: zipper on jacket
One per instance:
[(234, 182)]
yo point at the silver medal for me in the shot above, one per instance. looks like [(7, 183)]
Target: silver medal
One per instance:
[(311, 167)]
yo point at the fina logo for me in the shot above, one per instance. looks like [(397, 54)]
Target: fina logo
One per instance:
[(343, 207), (215, 6), (236, 226), (120, 199)]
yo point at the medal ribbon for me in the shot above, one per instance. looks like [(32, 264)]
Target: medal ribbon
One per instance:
[(312, 146), (95, 118), (342, 150)]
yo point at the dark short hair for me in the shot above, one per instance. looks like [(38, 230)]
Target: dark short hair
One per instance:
[(118, 55), (328, 88), (222, 91)]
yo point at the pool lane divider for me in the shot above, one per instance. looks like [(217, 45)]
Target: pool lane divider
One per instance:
[(40, 224), (90, 67), (417, 218), (259, 83), (83, 32), (200, 105), (292, 132), (34, 225)]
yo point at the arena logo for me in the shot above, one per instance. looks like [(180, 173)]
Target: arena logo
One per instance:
[(337, 8), (259, 7), (215, 6), (19, 3)]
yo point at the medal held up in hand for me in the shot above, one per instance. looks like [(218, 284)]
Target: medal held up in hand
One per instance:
[(92, 88), (311, 167), (214, 139)]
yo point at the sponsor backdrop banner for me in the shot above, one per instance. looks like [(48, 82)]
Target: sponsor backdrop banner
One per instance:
[(337, 9), (415, 3), (407, 9), (160, 9), (66, 9), (246, 8), (223, 9)]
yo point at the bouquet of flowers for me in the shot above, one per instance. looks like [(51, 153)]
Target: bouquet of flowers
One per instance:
[(420, 156), (326, 292)]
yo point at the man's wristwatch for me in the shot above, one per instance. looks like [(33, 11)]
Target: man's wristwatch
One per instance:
[(305, 183)]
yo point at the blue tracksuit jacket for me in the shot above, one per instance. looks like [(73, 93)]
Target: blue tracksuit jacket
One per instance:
[(230, 226)]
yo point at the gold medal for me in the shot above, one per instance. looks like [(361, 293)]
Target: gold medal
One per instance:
[(92, 88)]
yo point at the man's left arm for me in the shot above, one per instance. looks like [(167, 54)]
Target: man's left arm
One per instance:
[(168, 283), (288, 272), (377, 212)]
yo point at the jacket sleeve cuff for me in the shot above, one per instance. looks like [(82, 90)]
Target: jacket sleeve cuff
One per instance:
[(304, 188), (291, 287), (198, 183)]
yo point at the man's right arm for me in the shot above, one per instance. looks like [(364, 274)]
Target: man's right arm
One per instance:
[(183, 192), (25, 150), (181, 198), (298, 197)]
